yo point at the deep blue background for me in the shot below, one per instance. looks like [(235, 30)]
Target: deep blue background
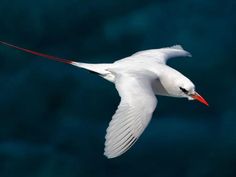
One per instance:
[(53, 116)]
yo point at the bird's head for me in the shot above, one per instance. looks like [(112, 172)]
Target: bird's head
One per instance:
[(187, 89)]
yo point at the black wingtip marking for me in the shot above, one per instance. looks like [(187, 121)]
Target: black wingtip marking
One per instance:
[(133, 140)]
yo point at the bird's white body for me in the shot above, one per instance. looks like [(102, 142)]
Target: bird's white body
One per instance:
[(138, 79), (141, 63)]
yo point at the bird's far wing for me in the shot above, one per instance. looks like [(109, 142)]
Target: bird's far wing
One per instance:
[(163, 54), (132, 116)]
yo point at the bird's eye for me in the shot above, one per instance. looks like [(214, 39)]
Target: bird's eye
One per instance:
[(183, 90)]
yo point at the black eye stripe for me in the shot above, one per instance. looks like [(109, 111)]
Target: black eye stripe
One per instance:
[(183, 90)]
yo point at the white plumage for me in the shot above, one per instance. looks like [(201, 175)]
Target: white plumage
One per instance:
[(133, 114), (134, 78)]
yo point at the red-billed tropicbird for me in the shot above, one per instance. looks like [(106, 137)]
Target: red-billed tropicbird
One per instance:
[(137, 78)]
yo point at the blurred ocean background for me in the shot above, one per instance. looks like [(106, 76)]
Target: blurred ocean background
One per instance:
[(53, 116)]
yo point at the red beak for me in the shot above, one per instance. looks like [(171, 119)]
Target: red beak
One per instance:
[(198, 97)]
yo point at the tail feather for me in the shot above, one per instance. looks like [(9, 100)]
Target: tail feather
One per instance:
[(38, 53), (100, 69), (96, 68)]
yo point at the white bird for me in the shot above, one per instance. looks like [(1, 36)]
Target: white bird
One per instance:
[(137, 78)]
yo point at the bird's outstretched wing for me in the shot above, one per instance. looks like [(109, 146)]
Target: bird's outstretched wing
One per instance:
[(163, 54), (132, 116)]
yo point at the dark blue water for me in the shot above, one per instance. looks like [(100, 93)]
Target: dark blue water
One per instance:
[(53, 116)]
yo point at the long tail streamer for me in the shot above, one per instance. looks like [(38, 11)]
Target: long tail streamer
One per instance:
[(38, 53)]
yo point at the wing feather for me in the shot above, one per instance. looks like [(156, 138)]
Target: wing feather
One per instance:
[(163, 54), (132, 116)]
